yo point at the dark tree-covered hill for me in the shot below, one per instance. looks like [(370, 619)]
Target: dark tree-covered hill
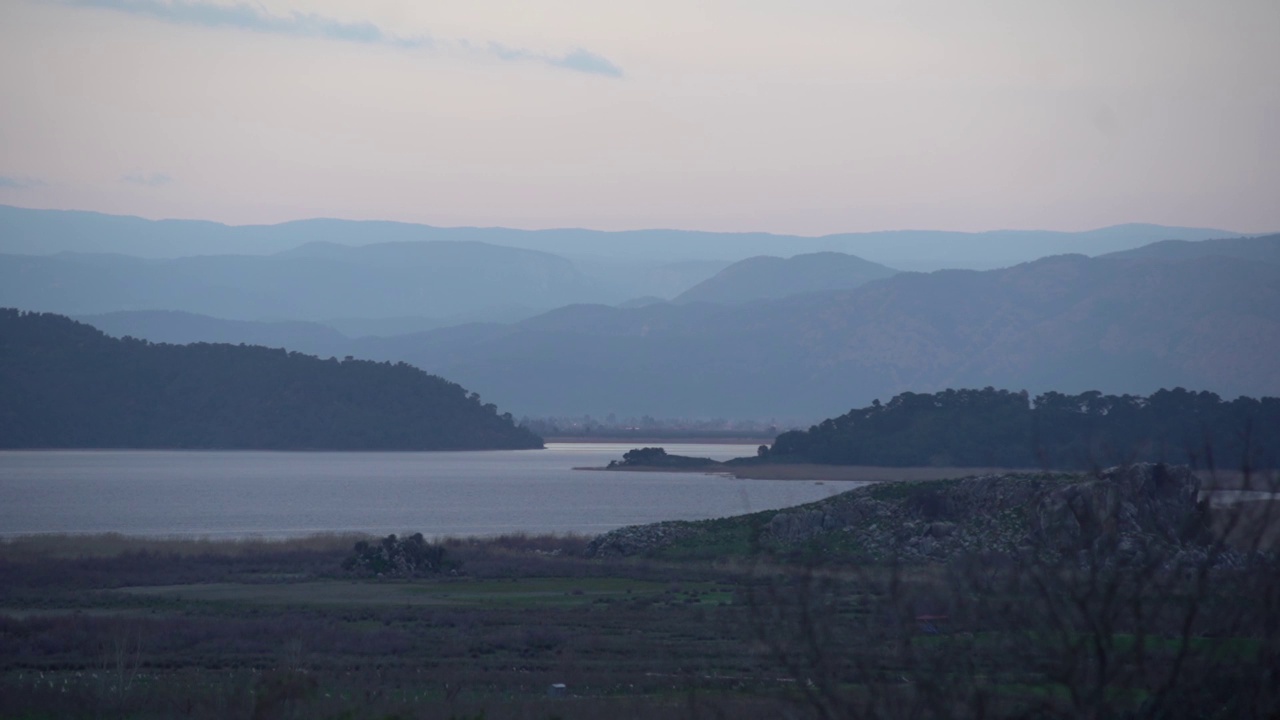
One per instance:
[(991, 427), (64, 384)]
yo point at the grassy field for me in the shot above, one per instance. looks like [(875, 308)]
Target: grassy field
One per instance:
[(120, 627), (128, 627), (530, 593)]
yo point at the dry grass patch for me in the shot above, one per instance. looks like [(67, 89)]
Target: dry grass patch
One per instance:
[(108, 545), (460, 592)]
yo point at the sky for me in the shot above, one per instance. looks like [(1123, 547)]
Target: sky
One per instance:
[(798, 116)]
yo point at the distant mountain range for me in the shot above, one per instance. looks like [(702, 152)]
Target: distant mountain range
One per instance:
[(616, 257), (312, 282), (1066, 323), (799, 338), (383, 278)]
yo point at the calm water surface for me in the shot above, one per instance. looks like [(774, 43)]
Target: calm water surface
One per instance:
[(279, 494)]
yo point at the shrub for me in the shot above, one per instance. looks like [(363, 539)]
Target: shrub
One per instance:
[(394, 557)]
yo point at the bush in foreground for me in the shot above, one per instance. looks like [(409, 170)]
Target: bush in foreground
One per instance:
[(393, 557)]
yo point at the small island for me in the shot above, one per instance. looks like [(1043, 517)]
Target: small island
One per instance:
[(657, 458)]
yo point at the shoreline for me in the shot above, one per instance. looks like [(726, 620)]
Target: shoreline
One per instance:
[(651, 439), (1219, 481)]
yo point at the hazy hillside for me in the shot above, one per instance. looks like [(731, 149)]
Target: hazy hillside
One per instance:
[(313, 282), (330, 337), (762, 278), (1261, 249), (32, 232), (1067, 323), (67, 385), (648, 278), (181, 328), (27, 231), (354, 327)]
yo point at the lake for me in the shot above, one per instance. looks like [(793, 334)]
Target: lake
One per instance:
[(231, 494)]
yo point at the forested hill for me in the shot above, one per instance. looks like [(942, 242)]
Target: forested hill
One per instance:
[(998, 428), (64, 384)]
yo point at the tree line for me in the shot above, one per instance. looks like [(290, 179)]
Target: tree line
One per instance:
[(65, 384), (1001, 428)]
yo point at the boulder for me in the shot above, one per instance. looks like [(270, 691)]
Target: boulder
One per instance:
[(1124, 507)]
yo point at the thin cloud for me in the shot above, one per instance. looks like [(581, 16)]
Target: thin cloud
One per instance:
[(579, 60), (587, 62), (248, 17), (311, 25), (19, 183), (147, 180)]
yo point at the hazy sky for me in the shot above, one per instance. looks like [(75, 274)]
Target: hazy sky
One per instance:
[(803, 116)]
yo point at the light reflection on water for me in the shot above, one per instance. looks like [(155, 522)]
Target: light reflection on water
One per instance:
[(280, 494)]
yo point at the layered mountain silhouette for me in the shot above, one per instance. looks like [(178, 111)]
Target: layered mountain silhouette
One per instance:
[(616, 257), (313, 282), (1066, 323), (1199, 315)]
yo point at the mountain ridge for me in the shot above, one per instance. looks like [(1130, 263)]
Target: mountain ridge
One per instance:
[(1264, 248), (1065, 322), (766, 277), (427, 279), (36, 231), (1069, 323)]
